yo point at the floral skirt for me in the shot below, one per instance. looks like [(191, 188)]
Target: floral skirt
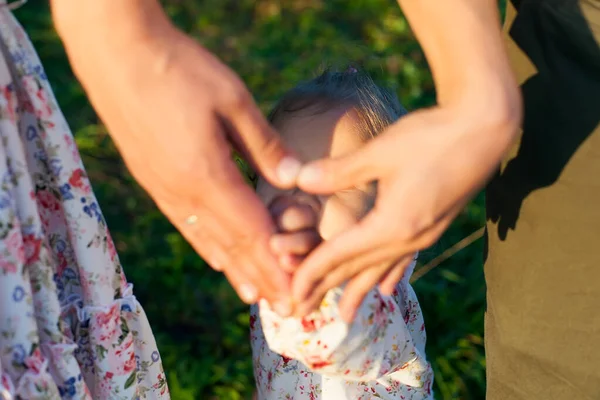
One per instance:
[(70, 326)]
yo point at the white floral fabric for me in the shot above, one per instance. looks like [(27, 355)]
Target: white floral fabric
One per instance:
[(70, 326), (381, 355)]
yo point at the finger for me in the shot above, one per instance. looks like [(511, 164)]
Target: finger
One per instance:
[(338, 276), (356, 290), (201, 229), (389, 282), (281, 203), (296, 218), (215, 257), (243, 227), (341, 276), (327, 176), (229, 212), (367, 236), (296, 243), (247, 292), (290, 263), (259, 142), (295, 212)]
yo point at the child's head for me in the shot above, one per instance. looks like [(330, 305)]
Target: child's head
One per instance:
[(330, 116)]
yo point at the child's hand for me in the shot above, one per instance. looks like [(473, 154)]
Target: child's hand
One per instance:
[(297, 221)]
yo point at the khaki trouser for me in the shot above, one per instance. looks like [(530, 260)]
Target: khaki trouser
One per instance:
[(543, 232)]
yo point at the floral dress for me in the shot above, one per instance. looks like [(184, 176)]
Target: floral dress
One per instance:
[(381, 355), (70, 326)]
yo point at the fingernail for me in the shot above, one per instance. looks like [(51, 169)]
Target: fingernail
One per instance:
[(310, 174), (248, 293), (283, 307), (288, 170)]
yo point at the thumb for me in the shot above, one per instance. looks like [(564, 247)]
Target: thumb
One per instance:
[(262, 146), (330, 175)]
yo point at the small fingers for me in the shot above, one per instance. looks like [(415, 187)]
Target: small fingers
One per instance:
[(290, 263), (295, 243), (294, 213), (296, 218)]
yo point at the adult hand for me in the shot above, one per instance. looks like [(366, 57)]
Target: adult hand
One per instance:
[(428, 165), (174, 111)]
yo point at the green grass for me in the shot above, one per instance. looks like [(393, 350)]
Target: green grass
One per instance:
[(200, 325)]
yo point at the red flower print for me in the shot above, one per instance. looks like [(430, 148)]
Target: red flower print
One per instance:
[(285, 359), (14, 244), (32, 246), (77, 180), (391, 306), (8, 94), (62, 263), (45, 110), (252, 321), (47, 201), (308, 324), (107, 324), (130, 363), (7, 267), (5, 382), (35, 361), (27, 106), (316, 362)]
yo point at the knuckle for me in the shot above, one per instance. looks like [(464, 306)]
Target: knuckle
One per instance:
[(237, 250), (406, 231), (270, 145), (193, 168), (413, 228), (235, 97), (426, 240)]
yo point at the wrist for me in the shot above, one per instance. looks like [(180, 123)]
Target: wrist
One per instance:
[(493, 106), (108, 29)]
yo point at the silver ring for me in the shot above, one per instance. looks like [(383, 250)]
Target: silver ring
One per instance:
[(191, 220), (14, 4)]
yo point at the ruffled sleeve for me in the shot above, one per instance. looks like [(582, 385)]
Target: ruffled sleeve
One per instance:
[(378, 343)]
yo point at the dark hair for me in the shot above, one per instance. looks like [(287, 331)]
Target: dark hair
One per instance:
[(376, 106)]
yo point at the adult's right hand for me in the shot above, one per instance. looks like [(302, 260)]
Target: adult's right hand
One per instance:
[(174, 111)]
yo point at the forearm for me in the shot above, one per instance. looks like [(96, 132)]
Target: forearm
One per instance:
[(463, 43), (110, 34), (118, 24)]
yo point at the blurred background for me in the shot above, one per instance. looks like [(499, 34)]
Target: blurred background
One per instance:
[(200, 325)]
